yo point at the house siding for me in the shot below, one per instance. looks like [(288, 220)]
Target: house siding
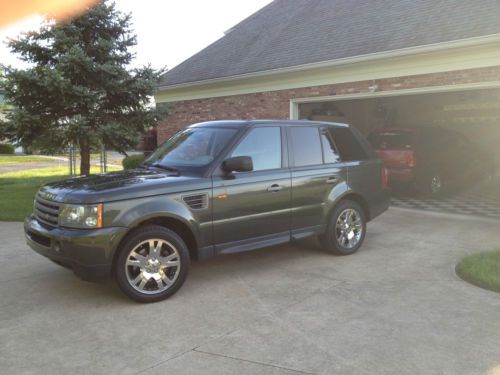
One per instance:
[(276, 104)]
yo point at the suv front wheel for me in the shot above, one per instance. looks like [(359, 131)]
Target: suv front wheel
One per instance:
[(152, 264), (345, 230)]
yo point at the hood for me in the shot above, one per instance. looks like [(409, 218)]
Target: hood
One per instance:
[(122, 185)]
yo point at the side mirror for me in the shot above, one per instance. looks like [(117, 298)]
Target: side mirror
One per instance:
[(238, 164)]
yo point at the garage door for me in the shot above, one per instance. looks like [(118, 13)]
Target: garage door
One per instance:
[(474, 114)]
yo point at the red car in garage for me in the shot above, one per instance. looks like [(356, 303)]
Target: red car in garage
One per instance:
[(430, 159)]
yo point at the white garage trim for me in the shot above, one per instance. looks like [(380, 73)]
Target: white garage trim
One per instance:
[(472, 53), (294, 103)]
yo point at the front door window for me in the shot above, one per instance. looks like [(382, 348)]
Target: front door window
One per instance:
[(263, 145)]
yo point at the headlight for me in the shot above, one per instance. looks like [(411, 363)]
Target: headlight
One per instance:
[(81, 216)]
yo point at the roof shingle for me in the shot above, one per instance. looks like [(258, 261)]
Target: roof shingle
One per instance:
[(288, 33)]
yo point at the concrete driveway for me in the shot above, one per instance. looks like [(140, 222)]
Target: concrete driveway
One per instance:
[(396, 307)]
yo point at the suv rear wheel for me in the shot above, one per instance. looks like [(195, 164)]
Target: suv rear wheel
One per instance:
[(345, 230), (152, 264)]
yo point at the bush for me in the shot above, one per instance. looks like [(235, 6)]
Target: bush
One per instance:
[(5, 148), (132, 161)]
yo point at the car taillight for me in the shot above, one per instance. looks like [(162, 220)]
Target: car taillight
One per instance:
[(411, 161), (384, 178)]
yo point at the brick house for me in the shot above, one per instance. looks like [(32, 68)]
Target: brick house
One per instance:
[(368, 63)]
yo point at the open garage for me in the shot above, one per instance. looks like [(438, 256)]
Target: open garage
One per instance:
[(474, 113)]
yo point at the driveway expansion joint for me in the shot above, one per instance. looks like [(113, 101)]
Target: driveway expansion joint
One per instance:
[(254, 362)]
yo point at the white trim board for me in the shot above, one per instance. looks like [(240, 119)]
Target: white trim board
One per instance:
[(294, 103), (451, 56), (348, 60)]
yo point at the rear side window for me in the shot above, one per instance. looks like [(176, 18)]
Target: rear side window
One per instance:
[(391, 140), (349, 147), (330, 153), (306, 146)]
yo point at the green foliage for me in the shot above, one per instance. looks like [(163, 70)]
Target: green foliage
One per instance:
[(5, 148), (132, 161), (78, 88)]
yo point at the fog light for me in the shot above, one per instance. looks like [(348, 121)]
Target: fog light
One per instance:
[(57, 247)]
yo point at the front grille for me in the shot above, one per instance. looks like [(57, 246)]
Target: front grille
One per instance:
[(196, 202), (46, 211)]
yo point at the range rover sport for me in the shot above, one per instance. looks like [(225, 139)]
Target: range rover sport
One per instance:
[(213, 188)]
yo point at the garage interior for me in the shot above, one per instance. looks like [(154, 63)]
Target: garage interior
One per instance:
[(474, 113)]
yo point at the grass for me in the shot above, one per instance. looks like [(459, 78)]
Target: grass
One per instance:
[(17, 189), (482, 269), (21, 159)]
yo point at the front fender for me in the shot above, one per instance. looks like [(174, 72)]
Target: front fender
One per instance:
[(130, 213)]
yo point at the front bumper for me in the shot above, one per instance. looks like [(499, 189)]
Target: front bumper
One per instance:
[(88, 252)]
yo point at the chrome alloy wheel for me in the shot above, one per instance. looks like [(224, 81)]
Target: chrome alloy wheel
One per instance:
[(436, 184), (349, 228), (152, 266)]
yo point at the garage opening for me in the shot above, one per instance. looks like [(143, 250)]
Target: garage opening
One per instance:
[(474, 114)]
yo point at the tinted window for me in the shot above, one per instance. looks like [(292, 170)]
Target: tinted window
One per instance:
[(349, 147), (306, 146), (391, 140), (330, 154), (263, 145)]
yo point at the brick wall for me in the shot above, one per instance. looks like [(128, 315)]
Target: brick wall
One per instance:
[(276, 104)]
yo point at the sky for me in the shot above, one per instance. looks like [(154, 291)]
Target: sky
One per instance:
[(168, 31)]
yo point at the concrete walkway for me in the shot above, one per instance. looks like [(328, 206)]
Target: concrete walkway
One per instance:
[(395, 307)]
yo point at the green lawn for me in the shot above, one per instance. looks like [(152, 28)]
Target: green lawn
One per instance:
[(482, 269), (21, 159), (17, 189)]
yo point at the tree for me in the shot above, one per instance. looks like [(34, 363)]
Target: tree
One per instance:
[(79, 88), (3, 104), (4, 107)]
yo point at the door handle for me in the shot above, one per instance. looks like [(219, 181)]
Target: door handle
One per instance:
[(332, 180), (274, 188)]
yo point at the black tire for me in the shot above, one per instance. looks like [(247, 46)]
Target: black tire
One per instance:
[(173, 246), (330, 241)]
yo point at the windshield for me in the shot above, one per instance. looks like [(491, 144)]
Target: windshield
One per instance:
[(193, 147)]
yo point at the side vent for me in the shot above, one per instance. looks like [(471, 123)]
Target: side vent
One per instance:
[(196, 202)]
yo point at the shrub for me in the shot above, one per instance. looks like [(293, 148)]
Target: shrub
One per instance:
[(5, 148), (132, 161)]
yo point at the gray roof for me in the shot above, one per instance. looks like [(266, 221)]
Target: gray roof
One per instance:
[(287, 33)]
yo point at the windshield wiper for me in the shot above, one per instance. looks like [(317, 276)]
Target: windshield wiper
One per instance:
[(165, 167)]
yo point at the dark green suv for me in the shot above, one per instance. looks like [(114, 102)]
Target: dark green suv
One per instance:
[(214, 188)]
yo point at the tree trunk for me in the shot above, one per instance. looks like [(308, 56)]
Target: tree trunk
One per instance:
[(84, 157)]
